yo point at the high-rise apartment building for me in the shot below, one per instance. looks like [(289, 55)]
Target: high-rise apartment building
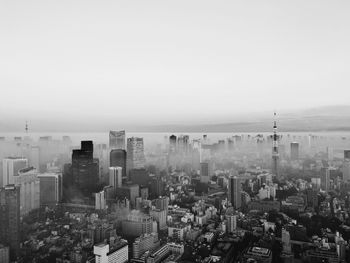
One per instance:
[(29, 184), (10, 230), (117, 140), (136, 156), (234, 191)]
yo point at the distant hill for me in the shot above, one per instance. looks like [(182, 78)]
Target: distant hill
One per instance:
[(330, 118)]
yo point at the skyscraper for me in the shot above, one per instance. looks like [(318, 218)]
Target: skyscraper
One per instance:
[(117, 158), (85, 169), (172, 144), (275, 154), (10, 218), (50, 188), (204, 173), (346, 166), (325, 179), (10, 168), (294, 151), (135, 150), (234, 191), (117, 140), (115, 177)]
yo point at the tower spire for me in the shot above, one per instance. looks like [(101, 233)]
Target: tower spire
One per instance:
[(26, 127), (275, 154)]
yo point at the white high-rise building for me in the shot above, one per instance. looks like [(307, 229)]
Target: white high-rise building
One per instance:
[(119, 254), (10, 169), (29, 184), (115, 176)]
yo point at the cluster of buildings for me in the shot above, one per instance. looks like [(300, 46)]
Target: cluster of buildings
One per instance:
[(181, 200)]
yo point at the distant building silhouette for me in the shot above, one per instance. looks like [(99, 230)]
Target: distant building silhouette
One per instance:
[(294, 151), (204, 173), (136, 156), (85, 169)]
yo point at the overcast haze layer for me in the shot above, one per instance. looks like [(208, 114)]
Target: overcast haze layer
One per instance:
[(171, 61)]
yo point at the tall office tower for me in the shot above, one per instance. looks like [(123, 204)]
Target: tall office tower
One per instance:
[(234, 192), (101, 153), (137, 224), (172, 144), (115, 177), (275, 154), (50, 189), (85, 169), (136, 156), (325, 179), (330, 153), (294, 151), (117, 140), (117, 158), (29, 184), (10, 230), (156, 186), (204, 173), (346, 166), (287, 248), (10, 168), (182, 143)]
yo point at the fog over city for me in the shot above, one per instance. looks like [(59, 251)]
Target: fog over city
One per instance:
[(174, 131)]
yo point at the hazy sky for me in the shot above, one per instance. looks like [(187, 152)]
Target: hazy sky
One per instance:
[(171, 61)]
